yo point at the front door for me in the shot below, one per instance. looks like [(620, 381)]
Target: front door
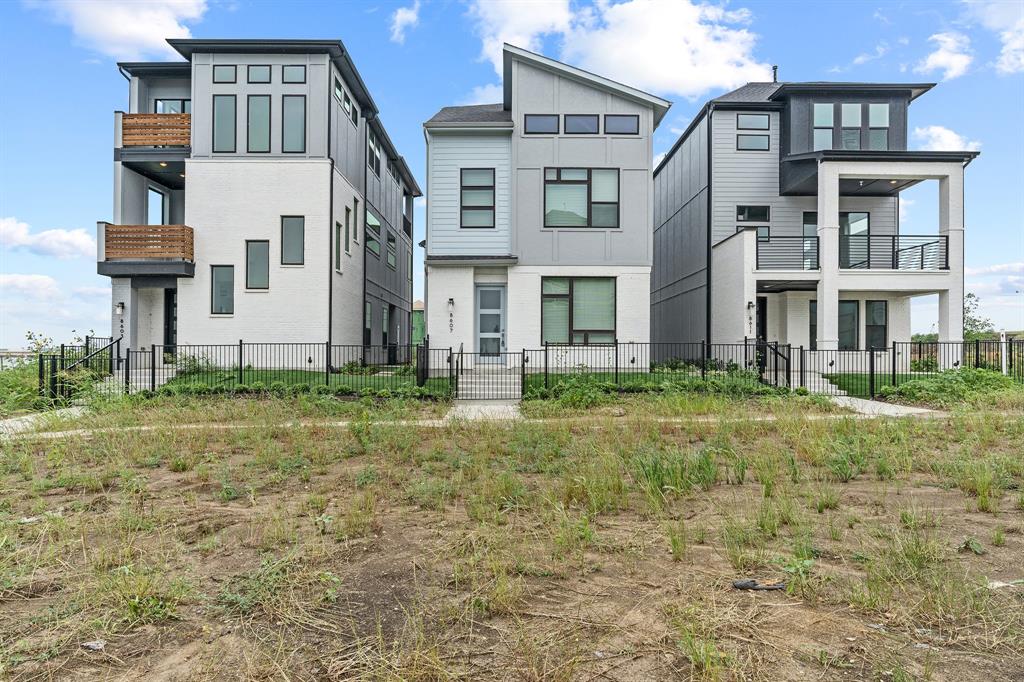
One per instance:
[(490, 323)]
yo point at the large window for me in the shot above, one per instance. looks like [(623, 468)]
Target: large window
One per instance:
[(824, 120), (172, 106), (293, 74), (578, 310), (851, 118), (582, 124), (373, 153), (258, 124), (224, 73), (224, 123), (392, 251), (752, 143), (812, 325), (581, 197), (222, 289), (259, 73), (752, 121), (293, 123), (878, 126), (372, 233), (477, 197), (621, 124), (849, 325), (293, 238), (876, 324), (540, 124), (257, 264)]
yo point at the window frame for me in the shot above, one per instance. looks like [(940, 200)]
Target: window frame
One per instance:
[(234, 125), (247, 243), (812, 324), (856, 324), (284, 70), (372, 234), (767, 218), (590, 193), (337, 245), (305, 124), (875, 128), (391, 246), (831, 128), (248, 124), (843, 128), (348, 230), (526, 124), (183, 101), (635, 117), (565, 123), (302, 250), (367, 323), (234, 73), (373, 152), (868, 327), (213, 289), (494, 199), (767, 120), (248, 73), (355, 220), (766, 136), (571, 331)]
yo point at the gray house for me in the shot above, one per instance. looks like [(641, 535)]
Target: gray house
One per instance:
[(257, 196), (777, 218)]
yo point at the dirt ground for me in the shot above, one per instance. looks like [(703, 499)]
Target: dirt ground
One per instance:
[(531, 552)]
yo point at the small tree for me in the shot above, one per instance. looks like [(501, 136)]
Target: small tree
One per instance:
[(975, 326)]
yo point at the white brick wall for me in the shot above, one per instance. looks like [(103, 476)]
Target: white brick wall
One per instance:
[(449, 330)]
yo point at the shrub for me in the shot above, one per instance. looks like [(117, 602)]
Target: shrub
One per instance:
[(952, 387)]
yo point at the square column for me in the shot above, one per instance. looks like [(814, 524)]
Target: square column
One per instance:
[(828, 256), (951, 224)]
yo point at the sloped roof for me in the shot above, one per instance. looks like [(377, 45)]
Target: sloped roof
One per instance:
[(473, 113), (751, 92)]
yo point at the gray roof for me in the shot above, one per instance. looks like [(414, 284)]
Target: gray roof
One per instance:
[(473, 113), (768, 92), (751, 92)]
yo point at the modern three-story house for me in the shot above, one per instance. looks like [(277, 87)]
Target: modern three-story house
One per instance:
[(257, 196), (539, 213), (777, 218)]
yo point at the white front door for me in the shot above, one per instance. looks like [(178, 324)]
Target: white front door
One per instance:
[(490, 322)]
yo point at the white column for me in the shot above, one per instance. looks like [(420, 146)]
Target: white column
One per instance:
[(951, 224), (828, 256)]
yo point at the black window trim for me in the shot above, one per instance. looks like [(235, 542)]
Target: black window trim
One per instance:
[(173, 99), (565, 123), (527, 117), (373, 160), (884, 325), (767, 219), (812, 324), (285, 67), (491, 208), (372, 233), (213, 126), (305, 124), (256, 241), (303, 250), (248, 123), (212, 289), (586, 332), (635, 117), (391, 246), (248, 74), (337, 245), (234, 74), (856, 326), (767, 117), (766, 136), (590, 202)]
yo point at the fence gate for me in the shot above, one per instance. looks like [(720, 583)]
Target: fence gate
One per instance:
[(489, 376)]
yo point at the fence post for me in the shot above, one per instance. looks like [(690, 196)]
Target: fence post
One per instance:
[(546, 382), (39, 361), (894, 364), (53, 377), (977, 353), (240, 375), (616, 362), (1002, 353), (871, 371), (128, 371), (704, 360), (775, 363), (789, 365), (152, 367), (327, 364), (803, 368), (522, 375), (118, 354)]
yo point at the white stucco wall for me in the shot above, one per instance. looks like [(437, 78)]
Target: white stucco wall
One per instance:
[(732, 287), (449, 329)]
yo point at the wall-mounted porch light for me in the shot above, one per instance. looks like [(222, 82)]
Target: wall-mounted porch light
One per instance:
[(119, 308), (451, 304)]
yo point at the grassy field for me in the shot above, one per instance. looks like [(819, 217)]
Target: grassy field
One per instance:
[(562, 550), (859, 384)]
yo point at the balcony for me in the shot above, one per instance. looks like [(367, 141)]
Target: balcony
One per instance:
[(145, 250), (156, 130), (894, 252), (787, 253)]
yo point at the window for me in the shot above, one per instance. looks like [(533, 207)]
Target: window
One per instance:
[(621, 124), (878, 126), (393, 170), (258, 124), (224, 73), (540, 124), (293, 238), (373, 153), (156, 207), (392, 251), (385, 323), (348, 229), (293, 74), (763, 232), (876, 322), (849, 323), (752, 121), (476, 197), (578, 310), (355, 220), (259, 73), (372, 233), (850, 134), (824, 120), (751, 143), (812, 325), (172, 106), (222, 289), (337, 244), (755, 214), (582, 124), (810, 232), (257, 264), (352, 111), (224, 123), (581, 197), (339, 91), (293, 123), (367, 322)]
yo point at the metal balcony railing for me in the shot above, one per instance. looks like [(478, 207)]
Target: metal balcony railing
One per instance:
[(894, 252), (787, 253)]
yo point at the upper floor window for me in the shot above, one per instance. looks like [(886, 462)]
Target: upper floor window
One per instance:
[(224, 123), (753, 214), (257, 264), (476, 187), (172, 106), (582, 124), (258, 124), (746, 142), (540, 124), (372, 233), (824, 120), (259, 73), (373, 153), (581, 197), (293, 123), (850, 133), (878, 126), (392, 251), (293, 73), (621, 124), (293, 240), (224, 73), (393, 170), (752, 121)]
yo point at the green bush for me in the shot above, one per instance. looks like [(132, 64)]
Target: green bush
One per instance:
[(952, 387)]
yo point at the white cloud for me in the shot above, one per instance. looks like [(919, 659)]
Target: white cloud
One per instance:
[(403, 19), (63, 244), (1006, 18), (880, 51), (941, 139), (91, 292), (999, 269), (518, 23), (658, 158), (952, 55), (484, 94), (126, 29), (40, 287)]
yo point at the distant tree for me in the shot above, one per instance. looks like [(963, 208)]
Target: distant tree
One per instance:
[(975, 326)]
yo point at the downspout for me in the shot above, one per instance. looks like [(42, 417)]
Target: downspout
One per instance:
[(707, 316), (330, 228), (366, 204)]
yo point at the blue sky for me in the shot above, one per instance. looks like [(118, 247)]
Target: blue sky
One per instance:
[(60, 87)]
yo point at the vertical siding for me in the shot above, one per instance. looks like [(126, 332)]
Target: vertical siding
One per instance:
[(347, 139)]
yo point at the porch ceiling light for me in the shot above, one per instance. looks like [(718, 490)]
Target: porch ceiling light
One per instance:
[(163, 164), (893, 182)]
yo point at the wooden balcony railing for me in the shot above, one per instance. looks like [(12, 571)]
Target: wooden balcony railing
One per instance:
[(140, 242), (156, 130)]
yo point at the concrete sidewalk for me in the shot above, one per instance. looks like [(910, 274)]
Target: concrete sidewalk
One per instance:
[(875, 408), (29, 422), (484, 410)]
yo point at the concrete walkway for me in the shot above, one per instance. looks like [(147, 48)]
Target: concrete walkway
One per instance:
[(484, 410), (29, 422), (875, 408)]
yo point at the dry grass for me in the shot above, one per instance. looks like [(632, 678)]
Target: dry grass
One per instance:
[(540, 551)]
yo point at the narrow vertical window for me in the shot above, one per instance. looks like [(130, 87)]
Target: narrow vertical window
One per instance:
[(337, 245), (876, 324), (293, 239), (224, 123), (367, 324), (812, 325), (293, 123), (849, 325), (348, 226), (222, 289), (392, 251), (477, 197), (851, 119), (355, 220), (257, 264), (259, 124), (878, 126), (372, 234), (824, 120)]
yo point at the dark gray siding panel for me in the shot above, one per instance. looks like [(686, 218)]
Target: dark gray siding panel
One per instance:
[(679, 277), (347, 139), (798, 122)]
